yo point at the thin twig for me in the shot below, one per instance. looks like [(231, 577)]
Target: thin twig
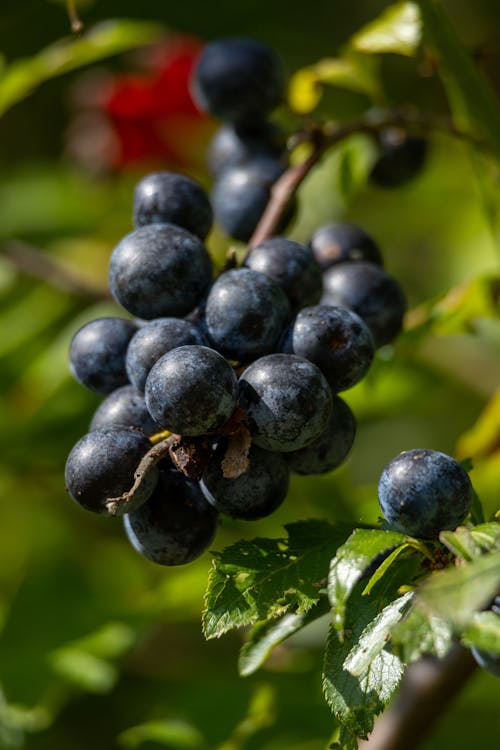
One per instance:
[(428, 687), (40, 265), (75, 20), (324, 137)]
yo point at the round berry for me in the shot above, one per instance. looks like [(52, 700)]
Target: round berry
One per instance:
[(171, 198), (287, 402), (233, 146), (292, 266), (423, 492), (97, 353), (176, 525), (241, 194), (159, 270), (488, 660), (153, 340), (335, 243), (370, 292), (331, 448), (245, 314), (102, 465), (401, 158), (237, 79), (191, 390), (256, 493), (126, 407), (336, 339)]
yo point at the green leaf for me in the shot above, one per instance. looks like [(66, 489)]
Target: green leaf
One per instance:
[(260, 714), (353, 72), (360, 674), (398, 29), (351, 561), (21, 77), (108, 642), (487, 535), (385, 565), (172, 733), (457, 594), (266, 635), (419, 634), (483, 632), (461, 543), (264, 578), (84, 670), (472, 102)]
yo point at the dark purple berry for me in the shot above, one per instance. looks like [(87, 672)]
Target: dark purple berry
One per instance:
[(370, 292), (335, 243), (241, 194), (254, 494), (401, 158), (423, 492), (292, 266), (159, 270), (102, 465), (125, 407), (331, 448), (233, 146), (152, 341), (191, 390), (245, 314), (97, 353), (176, 525), (171, 198), (287, 402), (239, 80), (336, 339)]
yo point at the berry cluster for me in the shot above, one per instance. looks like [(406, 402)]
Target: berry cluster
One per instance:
[(242, 371)]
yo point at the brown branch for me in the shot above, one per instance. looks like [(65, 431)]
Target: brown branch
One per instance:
[(428, 687), (328, 135), (40, 265)]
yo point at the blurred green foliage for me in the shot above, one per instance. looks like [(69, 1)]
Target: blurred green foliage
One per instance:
[(98, 647)]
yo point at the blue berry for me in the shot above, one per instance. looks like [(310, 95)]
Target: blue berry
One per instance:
[(159, 270), (370, 292), (241, 194), (423, 492), (245, 314), (488, 660), (102, 465), (171, 198), (97, 353), (176, 525), (239, 80), (126, 407), (191, 390), (233, 146), (292, 266), (256, 493), (153, 340), (331, 448), (287, 402), (335, 243), (336, 339), (401, 158)]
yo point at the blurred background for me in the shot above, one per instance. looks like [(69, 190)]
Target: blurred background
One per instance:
[(98, 647)]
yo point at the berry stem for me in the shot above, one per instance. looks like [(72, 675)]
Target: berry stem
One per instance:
[(75, 20), (323, 137)]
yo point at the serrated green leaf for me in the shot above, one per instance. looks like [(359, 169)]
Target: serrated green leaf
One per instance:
[(385, 565), (487, 535), (360, 675), (472, 102), (265, 636), (457, 593), (483, 632), (172, 733), (265, 578), (351, 561), (461, 543), (21, 77), (398, 29), (417, 634)]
